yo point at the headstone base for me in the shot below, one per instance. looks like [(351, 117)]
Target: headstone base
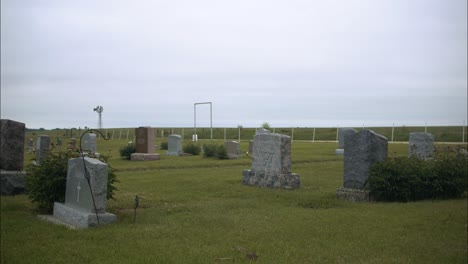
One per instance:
[(286, 181), (174, 153), (353, 195), (81, 219), (339, 152), (145, 156), (11, 182)]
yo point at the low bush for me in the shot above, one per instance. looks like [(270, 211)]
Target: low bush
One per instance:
[(192, 149), (215, 151), (46, 183), (409, 179), (221, 152), (164, 145), (127, 151), (209, 150)]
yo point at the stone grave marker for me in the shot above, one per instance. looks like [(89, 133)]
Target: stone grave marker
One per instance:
[(144, 146), (233, 149), (78, 209), (89, 143), (421, 145), (251, 147), (361, 150), (174, 145), (341, 136), (42, 148), (271, 162), (12, 137), (72, 143)]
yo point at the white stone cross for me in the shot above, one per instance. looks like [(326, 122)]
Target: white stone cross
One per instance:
[(78, 193)]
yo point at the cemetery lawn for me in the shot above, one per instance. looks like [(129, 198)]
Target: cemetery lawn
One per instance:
[(195, 210)]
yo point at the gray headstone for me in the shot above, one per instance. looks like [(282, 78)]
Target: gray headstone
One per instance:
[(88, 143), (78, 209), (42, 148), (232, 149), (72, 143), (11, 145), (421, 145), (341, 138), (262, 130), (271, 162), (251, 142), (362, 149), (174, 145), (144, 140)]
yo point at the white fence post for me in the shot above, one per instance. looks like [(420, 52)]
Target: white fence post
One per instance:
[(313, 136)]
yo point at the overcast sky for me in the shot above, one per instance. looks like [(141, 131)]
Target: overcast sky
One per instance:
[(289, 62)]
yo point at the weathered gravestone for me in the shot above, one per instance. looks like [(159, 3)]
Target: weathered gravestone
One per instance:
[(421, 145), (232, 149), (271, 162), (78, 209), (144, 146), (251, 147), (42, 148), (174, 145), (89, 143), (362, 149), (72, 143), (11, 157), (341, 138)]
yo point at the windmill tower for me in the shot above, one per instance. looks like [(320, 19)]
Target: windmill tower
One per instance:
[(99, 109)]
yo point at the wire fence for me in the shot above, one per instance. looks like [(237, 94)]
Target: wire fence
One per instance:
[(454, 134)]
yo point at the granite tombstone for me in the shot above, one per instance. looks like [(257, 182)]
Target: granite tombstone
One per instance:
[(271, 162)]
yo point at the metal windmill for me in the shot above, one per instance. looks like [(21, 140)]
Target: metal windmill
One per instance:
[(99, 109)]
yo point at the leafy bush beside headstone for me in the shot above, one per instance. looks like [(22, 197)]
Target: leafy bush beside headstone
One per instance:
[(410, 179), (192, 149), (213, 150), (46, 183), (164, 145), (127, 151)]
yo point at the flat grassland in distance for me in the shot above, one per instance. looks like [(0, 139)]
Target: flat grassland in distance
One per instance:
[(195, 210), (400, 133)]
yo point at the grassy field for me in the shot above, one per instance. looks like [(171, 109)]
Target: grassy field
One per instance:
[(441, 133), (195, 210)]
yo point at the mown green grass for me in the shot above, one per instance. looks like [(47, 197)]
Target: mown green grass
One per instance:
[(195, 210), (400, 133)]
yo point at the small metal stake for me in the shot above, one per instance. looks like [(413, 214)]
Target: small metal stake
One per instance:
[(136, 206)]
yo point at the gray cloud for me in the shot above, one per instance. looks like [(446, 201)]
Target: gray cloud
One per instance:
[(291, 63)]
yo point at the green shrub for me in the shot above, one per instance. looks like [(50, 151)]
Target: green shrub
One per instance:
[(126, 152), (46, 183), (410, 179), (192, 149), (221, 152), (209, 150), (164, 145), (215, 151)]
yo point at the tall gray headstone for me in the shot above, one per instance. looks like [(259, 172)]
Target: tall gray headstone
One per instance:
[(79, 209), (12, 136), (341, 138), (11, 145), (421, 145), (89, 143), (42, 147), (174, 145), (271, 162), (251, 142), (232, 149), (362, 149)]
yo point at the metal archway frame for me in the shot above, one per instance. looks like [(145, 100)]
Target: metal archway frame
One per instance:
[(195, 118)]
